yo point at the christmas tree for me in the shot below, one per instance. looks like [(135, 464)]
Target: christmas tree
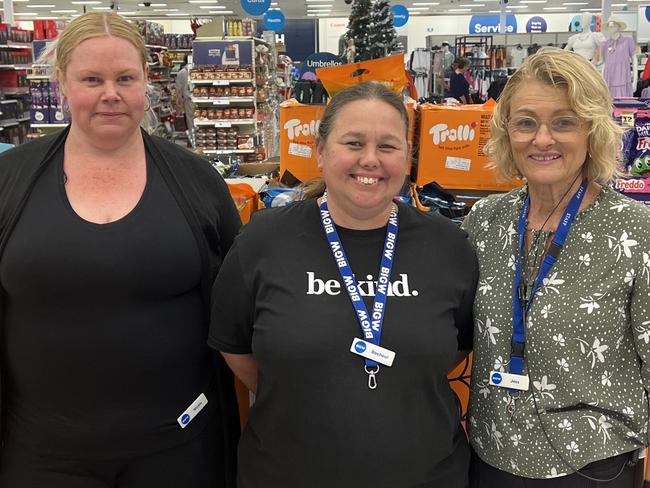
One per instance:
[(382, 36), (359, 29)]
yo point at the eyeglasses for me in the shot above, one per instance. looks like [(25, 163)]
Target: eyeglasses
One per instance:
[(563, 128)]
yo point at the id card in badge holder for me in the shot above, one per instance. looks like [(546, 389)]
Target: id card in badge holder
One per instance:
[(508, 380)]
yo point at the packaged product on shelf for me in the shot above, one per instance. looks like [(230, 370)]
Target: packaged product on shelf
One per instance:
[(451, 142)]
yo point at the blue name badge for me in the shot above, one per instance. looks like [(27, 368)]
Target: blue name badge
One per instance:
[(370, 351), (508, 380)]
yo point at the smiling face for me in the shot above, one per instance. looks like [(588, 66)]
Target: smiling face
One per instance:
[(104, 84), (364, 162), (544, 161)]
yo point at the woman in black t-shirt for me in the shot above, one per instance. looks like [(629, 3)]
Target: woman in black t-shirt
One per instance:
[(458, 84), (109, 242)]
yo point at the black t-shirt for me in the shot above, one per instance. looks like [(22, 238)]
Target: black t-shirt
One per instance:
[(315, 422), (104, 340), (458, 86)]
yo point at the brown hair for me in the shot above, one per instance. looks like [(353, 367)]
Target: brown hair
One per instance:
[(588, 96), (368, 90)]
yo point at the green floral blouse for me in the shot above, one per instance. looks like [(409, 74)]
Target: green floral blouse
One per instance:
[(587, 340)]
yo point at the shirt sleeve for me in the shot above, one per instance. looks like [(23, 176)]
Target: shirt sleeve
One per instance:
[(465, 313), (230, 222), (231, 319), (640, 319)]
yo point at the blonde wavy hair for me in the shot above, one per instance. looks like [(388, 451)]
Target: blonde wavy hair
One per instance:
[(589, 98)]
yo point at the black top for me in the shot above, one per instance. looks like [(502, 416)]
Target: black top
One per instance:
[(458, 86), (315, 417), (205, 203), (104, 327)]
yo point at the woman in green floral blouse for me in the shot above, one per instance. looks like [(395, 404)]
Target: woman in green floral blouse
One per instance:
[(561, 349)]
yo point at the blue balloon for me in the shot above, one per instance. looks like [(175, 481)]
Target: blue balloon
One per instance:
[(274, 20), (400, 15), (255, 7)]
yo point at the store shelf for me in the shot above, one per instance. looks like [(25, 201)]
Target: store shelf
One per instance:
[(221, 82), (223, 100), (8, 123), (180, 50), (154, 46), (21, 90), (16, 45), (161, 80), (38, 77), (2, 102), (228, 151), (47, 126), (15, 66), (223, 123), (24, 119)]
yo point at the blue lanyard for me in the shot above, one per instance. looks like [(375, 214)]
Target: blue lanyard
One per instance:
[(520, 306), (370, 325)]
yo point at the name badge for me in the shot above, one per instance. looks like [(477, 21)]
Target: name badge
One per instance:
[(508, 380), (370, 351), (192, 411)]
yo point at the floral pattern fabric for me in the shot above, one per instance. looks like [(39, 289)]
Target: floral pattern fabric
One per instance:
[(587, 340)]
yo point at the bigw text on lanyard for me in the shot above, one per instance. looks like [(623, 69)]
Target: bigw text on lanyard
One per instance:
[(371, 326), (521, 300)]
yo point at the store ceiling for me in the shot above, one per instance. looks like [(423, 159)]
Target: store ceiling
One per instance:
[(296, 9)]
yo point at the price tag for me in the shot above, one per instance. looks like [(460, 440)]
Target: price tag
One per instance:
[(222, 124), (221, 102), (220, 82), (627, 119)]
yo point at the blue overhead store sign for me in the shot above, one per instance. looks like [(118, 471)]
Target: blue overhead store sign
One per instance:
[(255, 7), (536, 24), (274, 20), (400, 15), (489, 24)]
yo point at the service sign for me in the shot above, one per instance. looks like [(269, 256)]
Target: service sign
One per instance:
[(400, 15), (255, 7), (274, 20), (489, 24)]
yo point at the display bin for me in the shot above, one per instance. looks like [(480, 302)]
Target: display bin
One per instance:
[(299, 126), (451, 142)]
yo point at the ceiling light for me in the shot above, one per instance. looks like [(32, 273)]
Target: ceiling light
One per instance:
[(25, 14), (203, 1), (459, 10), (472, 5), (555, 8), (216, 6), (318, 1), (101, 8), (86, 2), (179, 14), (575, 3), (597, 11), (165, 10), (152, 5), (20, 1), (427, 3), (517, 6), (40, 6), (413, 9), (64, 11)]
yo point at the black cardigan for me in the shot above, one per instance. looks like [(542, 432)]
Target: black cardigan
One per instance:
[(203, 198)]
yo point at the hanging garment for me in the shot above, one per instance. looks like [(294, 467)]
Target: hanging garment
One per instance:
[(616, 54)]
